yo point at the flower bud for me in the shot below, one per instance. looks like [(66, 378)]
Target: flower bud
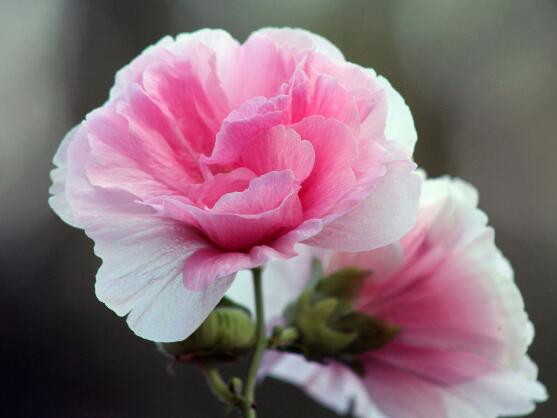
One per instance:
[(227, 333), (328, 324)]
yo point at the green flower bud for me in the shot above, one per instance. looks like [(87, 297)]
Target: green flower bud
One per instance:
[(227, 333), (326, 322)]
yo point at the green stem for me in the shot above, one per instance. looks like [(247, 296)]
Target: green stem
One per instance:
[(260, 345), (218, 385)]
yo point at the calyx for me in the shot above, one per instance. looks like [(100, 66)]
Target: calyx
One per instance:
[(328, 325)]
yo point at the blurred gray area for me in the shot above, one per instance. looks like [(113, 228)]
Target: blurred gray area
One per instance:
[(480, 78)]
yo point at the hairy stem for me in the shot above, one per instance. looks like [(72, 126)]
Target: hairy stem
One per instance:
[(218, 385), (248, 400)]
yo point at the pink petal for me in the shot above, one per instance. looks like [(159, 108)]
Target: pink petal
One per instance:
[(190, 92), (279, 149), (262, 63), (398, 393), (252, 119), (332, 175), (240, 220), (224, 47), (383, 112), (206, 265), (142, 255), (264, 194), (206, 194), (299, 41), (385, 215), (134, 157), (167, 49), (381, 262), (343, 108), (209, 266), (284, 280)]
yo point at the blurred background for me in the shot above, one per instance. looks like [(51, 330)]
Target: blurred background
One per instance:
[(480, 78)]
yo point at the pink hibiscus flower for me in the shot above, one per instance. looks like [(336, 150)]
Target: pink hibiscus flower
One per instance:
[(461, 350), (210, 157)]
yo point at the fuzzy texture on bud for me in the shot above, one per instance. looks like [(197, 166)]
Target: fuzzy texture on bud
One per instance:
[(226, 334)]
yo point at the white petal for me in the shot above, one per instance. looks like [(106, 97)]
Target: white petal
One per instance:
[(333, 385), (141, 275), (301, 39), (143, 257), (399, 126), (58, 201), (382, 218)]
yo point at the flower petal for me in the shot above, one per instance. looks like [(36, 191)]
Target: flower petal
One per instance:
[(333, 385), (58, 200), (279, 149), (385, 215), (252, 119), (264, 64), (295, 40), (332, 175), (239, 220), (142, 255), (207, 266), (283, 281)]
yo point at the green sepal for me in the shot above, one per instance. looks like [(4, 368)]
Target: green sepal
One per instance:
[(372, 332), (312, 319), (344, 284), (327, 322)]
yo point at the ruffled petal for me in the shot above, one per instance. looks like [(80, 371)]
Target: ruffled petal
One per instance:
[(239, 220), (253, 119), (58, 200), (384, 216), (283, 281), (332, 175), (264, 64), (143, 256), (279, 149), (299, 41), (333, 385)]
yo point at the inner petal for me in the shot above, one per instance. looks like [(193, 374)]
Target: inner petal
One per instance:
[(257, 215), (259, 69), (332, 175), (264, 193), (250, 120), (279, 149), (206, 194)]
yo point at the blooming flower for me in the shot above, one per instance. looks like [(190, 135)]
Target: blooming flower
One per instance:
[(210, 157), (461, 348)]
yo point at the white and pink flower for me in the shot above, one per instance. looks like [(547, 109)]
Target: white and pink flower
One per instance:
[(210, 157), (461, 351)]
